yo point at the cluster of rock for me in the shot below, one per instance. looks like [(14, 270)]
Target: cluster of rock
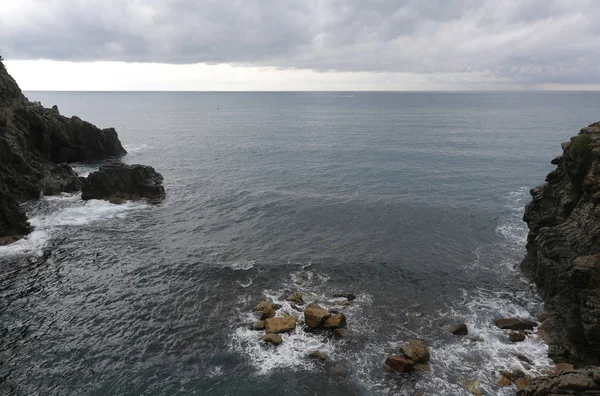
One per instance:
[(519, 328), (563, 259), (412, 354), (316, 318), (36, 143)]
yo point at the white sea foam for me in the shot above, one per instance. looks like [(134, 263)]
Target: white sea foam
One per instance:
[(134, 148), (292, 354), (63, 211), (242, 265)]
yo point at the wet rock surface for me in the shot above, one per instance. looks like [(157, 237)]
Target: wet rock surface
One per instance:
[(123, 182), (569, 382), (563, 249)]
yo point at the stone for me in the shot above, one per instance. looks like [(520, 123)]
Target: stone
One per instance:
[(280, 325), (267, 313), (340, 333), (426, 368), (272, 338), (13, 221), (415, 351), (504, 381), (297, 298), (515, 324), (476, 339), (335, 321), (516, 336), (562, 367), (459, 329), (261, 306), (318, 355), (570, 382), (129, 182), (348, 296), (400, 363), (522, 383), (315, 315), (260, 325)]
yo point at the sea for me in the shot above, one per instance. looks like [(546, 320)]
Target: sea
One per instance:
[(411, 201)]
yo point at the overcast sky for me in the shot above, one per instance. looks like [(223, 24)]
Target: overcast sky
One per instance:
[(301, 44)]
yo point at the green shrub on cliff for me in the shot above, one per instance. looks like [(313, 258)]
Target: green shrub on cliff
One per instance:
[(580, 147)]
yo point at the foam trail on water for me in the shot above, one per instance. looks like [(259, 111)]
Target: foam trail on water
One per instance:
[(50, 214)]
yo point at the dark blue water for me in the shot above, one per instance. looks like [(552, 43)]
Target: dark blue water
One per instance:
[(413, 201)]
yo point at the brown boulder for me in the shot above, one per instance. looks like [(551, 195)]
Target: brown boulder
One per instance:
[(274, 339), (335, 322), (415, 351), (314, 315), (260, 325), (515, 324), (280, 325), (522, 383), (400, 363), (267, 313), (504, 381)]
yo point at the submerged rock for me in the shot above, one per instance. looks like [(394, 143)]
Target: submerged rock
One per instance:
[(459, 329), (473, 386), (341, 333), (515, 324), (129, 182), (280, 325), (337, 369), (260, 325), (318, 354), (516, 336), (415, 351)]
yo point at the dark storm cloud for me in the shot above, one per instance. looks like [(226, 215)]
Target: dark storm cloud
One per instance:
[(533, 41)]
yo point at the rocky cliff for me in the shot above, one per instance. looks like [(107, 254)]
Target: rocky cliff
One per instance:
[(563, 250), (35, 145)]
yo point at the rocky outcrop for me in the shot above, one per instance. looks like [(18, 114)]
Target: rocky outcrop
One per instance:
[(35, 144), (13, 222), (563, 250), (569, 382), (117, 182)]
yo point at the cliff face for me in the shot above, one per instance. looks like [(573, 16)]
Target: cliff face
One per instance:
[(35, 145), (563, 250)]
